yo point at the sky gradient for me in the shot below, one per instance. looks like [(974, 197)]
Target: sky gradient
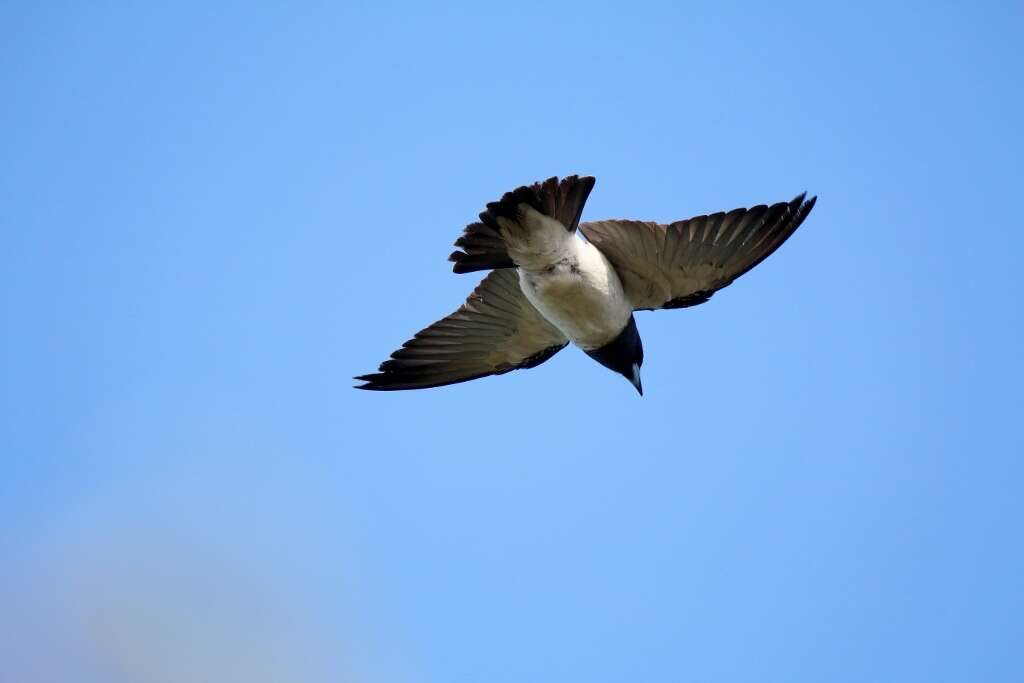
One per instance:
[(214, 218)]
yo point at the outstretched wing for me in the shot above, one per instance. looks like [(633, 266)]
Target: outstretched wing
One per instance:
[(496, 331), (684, 263)]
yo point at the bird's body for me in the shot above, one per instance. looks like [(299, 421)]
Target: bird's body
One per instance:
[(568, 280), (548, 287)]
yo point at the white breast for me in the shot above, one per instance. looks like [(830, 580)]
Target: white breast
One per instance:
[(580, 293)]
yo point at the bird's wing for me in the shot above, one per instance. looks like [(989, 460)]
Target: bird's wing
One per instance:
[(684, 263), (497, 330)]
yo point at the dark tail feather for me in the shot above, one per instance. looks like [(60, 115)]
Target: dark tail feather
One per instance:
[(481, 245)]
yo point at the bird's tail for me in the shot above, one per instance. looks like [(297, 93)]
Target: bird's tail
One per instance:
[(481, 244)]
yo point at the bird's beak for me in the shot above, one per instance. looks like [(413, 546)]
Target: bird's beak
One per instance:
[(635, 379)]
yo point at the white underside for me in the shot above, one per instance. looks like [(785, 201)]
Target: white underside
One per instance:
[(568, 280)]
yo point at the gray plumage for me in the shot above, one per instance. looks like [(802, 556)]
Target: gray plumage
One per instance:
[(496, 331), (683, 263)]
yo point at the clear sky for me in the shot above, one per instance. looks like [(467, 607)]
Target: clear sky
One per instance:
[(213, 218)]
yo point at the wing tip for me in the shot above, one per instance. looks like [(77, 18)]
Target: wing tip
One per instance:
[(802, 203), (802, 208), (369, 381), (399, 381)]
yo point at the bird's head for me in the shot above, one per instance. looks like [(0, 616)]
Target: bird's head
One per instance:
[(624, 354)]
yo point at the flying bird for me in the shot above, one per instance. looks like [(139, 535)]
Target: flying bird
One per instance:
[(547, 287)]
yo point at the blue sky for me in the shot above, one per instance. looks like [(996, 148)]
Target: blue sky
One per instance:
[(214, 217)]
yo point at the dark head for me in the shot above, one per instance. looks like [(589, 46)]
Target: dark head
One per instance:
[(624, 354)]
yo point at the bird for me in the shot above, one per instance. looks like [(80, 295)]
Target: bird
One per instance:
[(553, 281)]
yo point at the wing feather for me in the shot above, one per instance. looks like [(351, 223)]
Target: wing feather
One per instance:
[(686, 262), (496, 331)]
